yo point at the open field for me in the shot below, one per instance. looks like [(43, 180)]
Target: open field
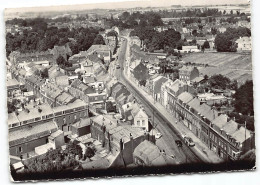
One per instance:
[(236, 66)]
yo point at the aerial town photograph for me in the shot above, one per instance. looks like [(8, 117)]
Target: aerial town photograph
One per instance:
[(130, 90)]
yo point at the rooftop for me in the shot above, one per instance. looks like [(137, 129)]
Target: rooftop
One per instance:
[(230, 127), (35, 112), (241, 135), (185, 97), (11, 82), (220, 121), (28, 133), (149, 153), (82, 123)]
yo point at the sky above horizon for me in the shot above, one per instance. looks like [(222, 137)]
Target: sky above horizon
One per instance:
[(58, 5)]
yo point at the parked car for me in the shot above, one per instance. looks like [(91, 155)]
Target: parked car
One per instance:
[(189, 141), (178, 143), (158, 135)]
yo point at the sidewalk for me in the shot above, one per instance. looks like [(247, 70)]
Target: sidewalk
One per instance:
[(200, 148)]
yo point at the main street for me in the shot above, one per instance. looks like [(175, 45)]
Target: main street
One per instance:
[(167, 142)]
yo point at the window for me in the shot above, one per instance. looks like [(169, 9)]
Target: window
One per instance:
[(96, 98), (75, 116), (142, 122), (138, 123), (20, 149)]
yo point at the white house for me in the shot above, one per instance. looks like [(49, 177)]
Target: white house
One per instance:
[(244, 44), (140, 119), (189, 49)]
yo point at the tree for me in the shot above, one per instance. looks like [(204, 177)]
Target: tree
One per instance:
[(219, 81), (110, 107), (99, 40), (194, 33), (44, 73), (125, 15), (141, 72), (213, 31), (112, 33), (60, 60), (206, 44), (73, 149), (90, 152), (243, 102)]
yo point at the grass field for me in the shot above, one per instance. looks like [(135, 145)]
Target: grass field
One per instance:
[(235, 66)]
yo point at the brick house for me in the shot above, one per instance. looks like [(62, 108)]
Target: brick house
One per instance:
[(188, 73), (24, 140)]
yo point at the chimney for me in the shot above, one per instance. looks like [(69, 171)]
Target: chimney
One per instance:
[(39, 110), (121, 143), (228, 119)]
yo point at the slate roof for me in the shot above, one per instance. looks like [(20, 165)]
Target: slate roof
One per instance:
[(185, 97), (98, 48), (64, 98), (186, 68), (149, 153), (230, 127), (82, 123), (241, 135), (220, 121), (35, 113), (28, 133)]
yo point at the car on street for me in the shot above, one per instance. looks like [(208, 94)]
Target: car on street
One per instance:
[(158, 135), (178, 143), (189, 141)]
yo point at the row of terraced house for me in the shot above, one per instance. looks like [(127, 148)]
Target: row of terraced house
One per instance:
[(227, 138)]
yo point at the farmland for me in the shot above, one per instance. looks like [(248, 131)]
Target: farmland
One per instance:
[(236, 66)]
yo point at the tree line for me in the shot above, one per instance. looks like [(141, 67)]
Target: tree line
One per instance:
[(41, 39), (154, 40), (128, 21)]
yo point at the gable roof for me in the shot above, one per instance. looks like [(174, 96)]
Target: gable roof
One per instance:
[(241, 135), (185, 97), (230, 127), (220, 121), (149, 153)]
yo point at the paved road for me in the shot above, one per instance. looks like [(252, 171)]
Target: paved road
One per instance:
[(167, 142)]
